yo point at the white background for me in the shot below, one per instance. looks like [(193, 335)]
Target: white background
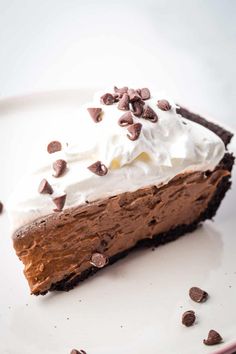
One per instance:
[(186, 47)]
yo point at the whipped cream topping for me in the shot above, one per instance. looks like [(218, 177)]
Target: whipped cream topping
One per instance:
[(164, 149)]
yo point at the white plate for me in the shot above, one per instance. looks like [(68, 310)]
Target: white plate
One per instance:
[(132, 307)]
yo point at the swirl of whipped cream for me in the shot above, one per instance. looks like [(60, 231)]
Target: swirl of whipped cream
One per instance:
[(164, 149)]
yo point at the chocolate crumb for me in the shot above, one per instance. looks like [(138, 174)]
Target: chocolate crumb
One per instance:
[(123, 105), (45, 187), (96, 114), (213, 338), (137, 108), (164, 105), (98, 168), (1, 207), (197, 294), (126, 119), (59, 167), (145, 93), (99, 260), (133, 95), (107, 99), (134, 130), (54, 146), (149, 114), (59, 202), (75, 351), (188, 318)]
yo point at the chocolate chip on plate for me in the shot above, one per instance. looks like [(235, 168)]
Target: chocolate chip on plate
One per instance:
[(59, 167), (126, 119), (149, 114), (137, 108), (145, 93), (99, 260), (59, 202), (107, 99), (98, 168), (188, 318), (213, 338), (164, 105), (134, 131), (123, 105), (54, 146), (197, 294), (45, 187), (75, 351), (96, 114), (1, 207)]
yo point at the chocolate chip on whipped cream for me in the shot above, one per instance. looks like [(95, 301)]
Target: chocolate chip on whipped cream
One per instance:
[(123, 105), (145, 93), (126, 119), (133, 95), (120, 91), (59, 167), (75, 351), (137, 108), (164, 105), (188, 318), (45, 187), (149, 114), (59, 202), (1, 207), (96, 114), (107, 99), (98, 168), (98, 260), (134, 131), (213, 338), (54, 146), (197, 294)]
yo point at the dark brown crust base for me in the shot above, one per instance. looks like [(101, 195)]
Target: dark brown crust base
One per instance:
[(227, 163)]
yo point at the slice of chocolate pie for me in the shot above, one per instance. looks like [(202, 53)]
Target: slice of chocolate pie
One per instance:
[(136, 170)]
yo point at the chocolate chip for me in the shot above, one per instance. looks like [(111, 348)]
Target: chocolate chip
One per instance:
[(149, 114), (123, 105), (126, 119), (120, 91), (213, 338), (1, 207), (116, 97), (59, 167), (137, 108), (163, 105), (134, 130), (188, 318), (197, 294), (54, 146), (99, 260), (95, 113), (75, 351), (98, 168), (107, 99), (59, 202), (145, 93), (133, 95), (45, 187)]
